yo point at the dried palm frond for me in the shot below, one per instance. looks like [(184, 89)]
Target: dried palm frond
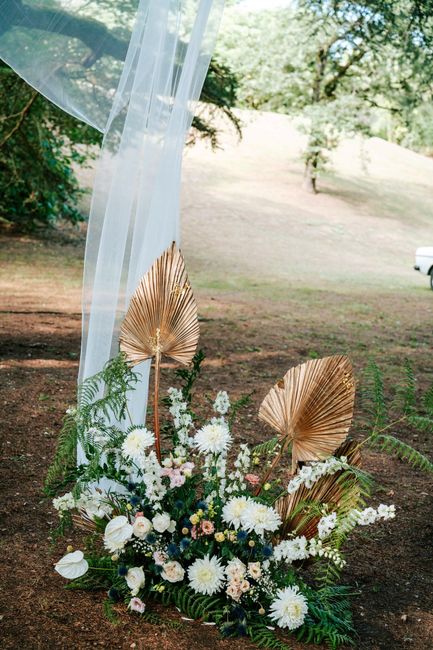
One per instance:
[(83, 521), (162, 314), (161, 319), (339, 490), (312, 407)]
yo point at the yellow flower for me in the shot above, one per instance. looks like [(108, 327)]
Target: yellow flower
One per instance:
[(262, 612), (194, 519), (256, 460), (251, 543), (219, 537), (128, 506), (200, 513), (114, 557), (267, 486), (185, 530), (69, 548)]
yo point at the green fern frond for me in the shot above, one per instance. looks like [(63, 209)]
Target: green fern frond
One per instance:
[(263, 637), (265, 448), (373, 395), (405, 399), (428, 401), (393, 445), (63, 468), (420, 422)]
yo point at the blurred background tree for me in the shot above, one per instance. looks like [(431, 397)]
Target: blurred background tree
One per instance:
[(40, 145), (340, 67)]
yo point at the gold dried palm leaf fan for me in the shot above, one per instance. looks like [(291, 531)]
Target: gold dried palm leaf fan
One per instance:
[(312, 408), (327, 490), (161, 319)]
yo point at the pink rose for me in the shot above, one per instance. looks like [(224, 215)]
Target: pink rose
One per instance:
[(136, 605), (253, 479), (194, 532), (139, 514), (207, 527), (160, 558)]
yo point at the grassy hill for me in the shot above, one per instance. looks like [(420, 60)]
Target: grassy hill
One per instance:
[(246, 218)]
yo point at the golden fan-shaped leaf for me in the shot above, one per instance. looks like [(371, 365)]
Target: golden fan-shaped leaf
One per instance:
[(327, 490), (312, 407), (162, 315)]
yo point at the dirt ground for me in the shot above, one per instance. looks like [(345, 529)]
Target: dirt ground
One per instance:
[(251, 337)]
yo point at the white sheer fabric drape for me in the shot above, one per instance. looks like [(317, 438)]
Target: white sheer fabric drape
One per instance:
[(135, 208), (135, 205)]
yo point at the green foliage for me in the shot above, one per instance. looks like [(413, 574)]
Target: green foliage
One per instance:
[(193, 605), (406, 407), (373, 396), (63, 468), (329, 618), (396, 447), (38, 148), (263, 637), (189, 375), (339, 68)]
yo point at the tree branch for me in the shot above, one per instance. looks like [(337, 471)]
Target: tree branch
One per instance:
[(21, 117)]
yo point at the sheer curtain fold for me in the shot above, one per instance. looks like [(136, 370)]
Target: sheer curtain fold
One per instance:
[(137, 81)]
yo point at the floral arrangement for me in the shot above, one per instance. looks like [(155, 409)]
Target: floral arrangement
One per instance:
[(230, 536)]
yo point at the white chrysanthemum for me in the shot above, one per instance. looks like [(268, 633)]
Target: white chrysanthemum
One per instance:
[(136, 442), (260, 518), (206, 576), (222, 403), (326, 525), (289, 608), (213, 438), (233, 511)]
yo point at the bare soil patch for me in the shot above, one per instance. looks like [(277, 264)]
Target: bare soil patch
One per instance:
[(251, 337)]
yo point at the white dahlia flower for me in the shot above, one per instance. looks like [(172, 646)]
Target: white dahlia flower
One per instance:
[(213, 438), (206, 576), (289, 608), (136, 442), (260, 518), (233, 511)]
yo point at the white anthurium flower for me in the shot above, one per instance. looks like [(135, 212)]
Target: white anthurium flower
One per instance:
[(117, 532), (72, 565), (163, 522), (135, 579)]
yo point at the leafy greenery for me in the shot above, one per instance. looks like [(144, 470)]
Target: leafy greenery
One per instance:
[(340, 68), (407, 407)]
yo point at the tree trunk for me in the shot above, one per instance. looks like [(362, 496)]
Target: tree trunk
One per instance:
[(310, 173)]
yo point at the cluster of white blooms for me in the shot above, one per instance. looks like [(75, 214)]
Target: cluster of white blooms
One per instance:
[(236, 479), (309, 474), (250, 515), (316, 548), (152, 474), (64, 503), (289, 608), (95, 504), (367, 516), (99, 437), (222, 402), (299, 548), (291, 550), (326, 525), (182, 420)]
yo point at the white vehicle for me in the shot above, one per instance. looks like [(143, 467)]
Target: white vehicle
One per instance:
[(424, 261)]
